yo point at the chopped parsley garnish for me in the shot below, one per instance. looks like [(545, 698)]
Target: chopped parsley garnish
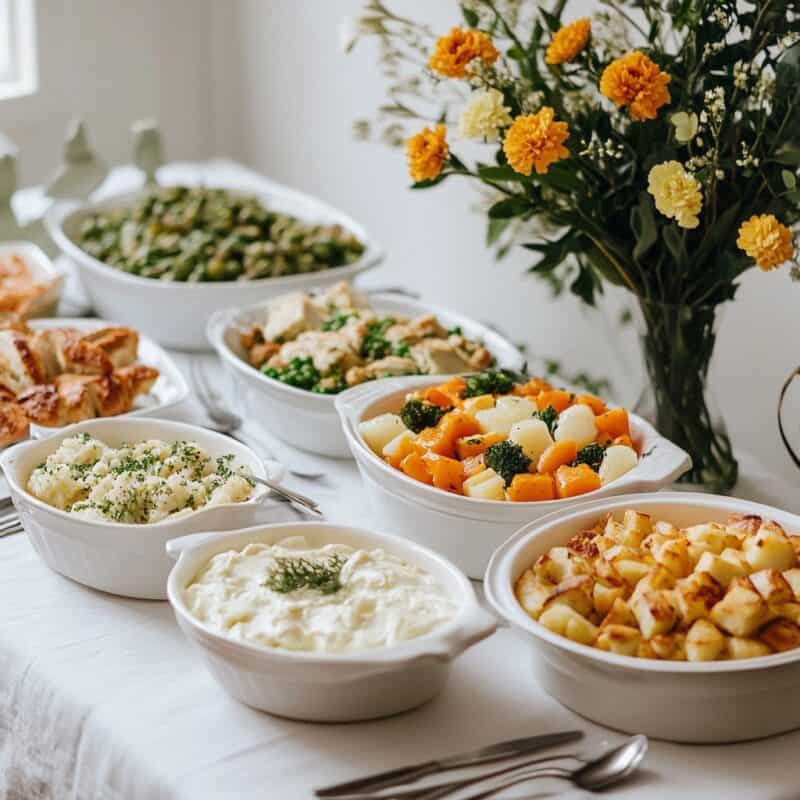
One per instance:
[(549, 416), (337, 322), (455, 331), (290, 574), (592, 455)]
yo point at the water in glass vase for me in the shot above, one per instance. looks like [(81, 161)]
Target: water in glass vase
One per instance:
[(677, 344)]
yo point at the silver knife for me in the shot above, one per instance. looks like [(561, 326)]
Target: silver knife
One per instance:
[(414, 772)]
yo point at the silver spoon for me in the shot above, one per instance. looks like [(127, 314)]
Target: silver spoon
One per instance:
[(301, 501), (610, 768)]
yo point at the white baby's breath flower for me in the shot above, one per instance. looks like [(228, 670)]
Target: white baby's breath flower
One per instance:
[(686, 126), (484, 116), (741, 75)]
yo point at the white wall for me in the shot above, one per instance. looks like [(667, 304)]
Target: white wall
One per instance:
[(286, 98), (114, 61)]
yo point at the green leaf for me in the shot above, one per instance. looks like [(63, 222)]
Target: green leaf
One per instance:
[(427, 184), (552, 21), (470, 17), (673, 239), (793, 197), (788, 154), (510, 207), (789, 179), (717, 235), (506, 173), (584, 286), (516, 53), (644, 226), (495, 230), (457, 162), (560, 176)]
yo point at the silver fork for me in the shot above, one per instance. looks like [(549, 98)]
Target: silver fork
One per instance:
[(226, 421), (9, 522)]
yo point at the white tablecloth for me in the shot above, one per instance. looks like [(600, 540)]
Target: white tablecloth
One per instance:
[(102, 698)]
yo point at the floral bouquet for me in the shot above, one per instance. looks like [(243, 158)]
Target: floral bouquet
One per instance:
[(654, 146)]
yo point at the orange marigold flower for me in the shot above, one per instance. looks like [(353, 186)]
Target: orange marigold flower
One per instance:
[(453, 52), (427, 151), (637, 82), (568, 41), (536, 141), (766, 240)]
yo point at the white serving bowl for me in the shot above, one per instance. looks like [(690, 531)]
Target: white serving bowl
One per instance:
[(712, 701), (465, 529), (329, 687), (307, 420), (43, 270), (174, 313), (123, 559)]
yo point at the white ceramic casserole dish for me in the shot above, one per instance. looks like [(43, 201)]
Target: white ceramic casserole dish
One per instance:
[(44, 271), (174, 313), (169, 390), (712, 701), (465, 529), (329, 687), (123, 559), (307, 420)]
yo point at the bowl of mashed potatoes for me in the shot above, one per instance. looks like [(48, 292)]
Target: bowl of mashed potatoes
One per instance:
[(323, 622), (100, 499)]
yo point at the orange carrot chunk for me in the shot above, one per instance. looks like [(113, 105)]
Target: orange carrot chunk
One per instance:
[(447, 473), (406, 446), (414, 466), (595, 403), (439, 398), (535, 386), (469, 446), (613, 422), (526, 488), (574, 481), (459, 424), (558, 398), (558, 453), (624, 440)]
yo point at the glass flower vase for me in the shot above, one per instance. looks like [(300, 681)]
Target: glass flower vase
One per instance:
[(677, 344)]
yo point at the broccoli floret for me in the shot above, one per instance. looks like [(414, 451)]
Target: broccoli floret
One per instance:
[(592, 455), (490, 382), (507, 459), (419, 414), (549, 416)]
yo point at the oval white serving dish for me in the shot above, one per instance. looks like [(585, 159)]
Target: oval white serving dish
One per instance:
[(307, 420), (465, 529), (329, 687), (174, 313), (704, 702), (169, 390), (123, 559), (43, 270)]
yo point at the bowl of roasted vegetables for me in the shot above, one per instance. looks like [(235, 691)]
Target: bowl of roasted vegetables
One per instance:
[(294, 353), (672, 614), (166, 257), (461, 462)]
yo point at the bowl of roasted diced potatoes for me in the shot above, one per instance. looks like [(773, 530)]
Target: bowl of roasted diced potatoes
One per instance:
[(460, 462), (672, 614)]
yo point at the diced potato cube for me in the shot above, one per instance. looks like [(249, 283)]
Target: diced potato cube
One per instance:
[(789, 610), (696, 596), (704, 642), (746, 648), (560, 563), (507, 412), (604, 595), (575, 592), (533, 436), (795, 542), (723, 570), (642, 524), (654, 612), (711, 536), (620, 639), (736, 557), (744, 524), (631, 571), (666, 529), (742, 610), (769, 548), (673, 555), (619, 614), (576, 423), (532, 593), (772, 586), (520, 407), (379, 431), (568, 622), (696, 553), (657, 578), (486, 485), (618, 460), (780, 635), (792, 577), (669, 646)]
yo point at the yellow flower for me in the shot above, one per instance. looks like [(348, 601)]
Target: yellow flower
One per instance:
[(484, 115), (637, 82), (677, 193), (568, 41), (426, 152), (536, 141), (453, 52), (766, 240)]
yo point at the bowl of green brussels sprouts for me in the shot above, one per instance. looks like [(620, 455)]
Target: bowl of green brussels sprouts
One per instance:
[(165, 258)]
